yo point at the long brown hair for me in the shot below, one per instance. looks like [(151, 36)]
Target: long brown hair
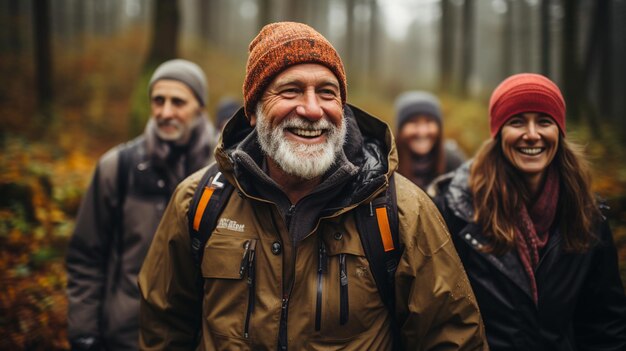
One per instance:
[(499, 191)]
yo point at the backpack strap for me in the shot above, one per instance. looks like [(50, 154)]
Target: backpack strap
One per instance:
[(123, 169), (377, 223), (208, 201)]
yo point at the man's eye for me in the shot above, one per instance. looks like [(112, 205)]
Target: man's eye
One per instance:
[(158, 100), (290, 92), (178, 102), (328, 93)]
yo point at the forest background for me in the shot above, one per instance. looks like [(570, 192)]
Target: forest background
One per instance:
[(74, 76)]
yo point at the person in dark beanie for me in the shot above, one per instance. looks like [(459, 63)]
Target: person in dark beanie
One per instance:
[(226, 108), (423, 154), (119, 213), (537, 249), (283, 265)]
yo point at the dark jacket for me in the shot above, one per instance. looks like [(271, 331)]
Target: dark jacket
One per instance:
[(109, 243), (581, 298), (290, 299)]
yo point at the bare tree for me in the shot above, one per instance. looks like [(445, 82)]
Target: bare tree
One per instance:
[(43, 56), (446, 45), (467, 63), (165, 27), (545, 37), (265, 11), (507, 40), (569, 65)]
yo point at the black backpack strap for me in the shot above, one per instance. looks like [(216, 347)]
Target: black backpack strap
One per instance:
[(377, 223), (208, 201), (124, 158)]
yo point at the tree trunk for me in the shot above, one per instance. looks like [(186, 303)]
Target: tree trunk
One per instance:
[(571, 75), (446, 44), (350, 37), (164, 43), (372, 72), (507, 41), (43, 58), (468, 46), (265, 13), (545, 37)]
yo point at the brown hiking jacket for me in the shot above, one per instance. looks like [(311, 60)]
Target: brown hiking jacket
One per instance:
[(293, 294)]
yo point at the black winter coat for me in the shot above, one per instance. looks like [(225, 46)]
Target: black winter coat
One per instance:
[(581, 306)]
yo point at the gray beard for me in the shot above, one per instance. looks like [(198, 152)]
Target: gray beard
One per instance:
[(300, 160)]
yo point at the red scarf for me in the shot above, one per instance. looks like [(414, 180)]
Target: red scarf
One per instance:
[(533, 227)]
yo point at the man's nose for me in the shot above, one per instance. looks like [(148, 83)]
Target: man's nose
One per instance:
[(168, 109), (309, 107)]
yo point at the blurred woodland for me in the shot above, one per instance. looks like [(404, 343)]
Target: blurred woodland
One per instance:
[(75, 74)]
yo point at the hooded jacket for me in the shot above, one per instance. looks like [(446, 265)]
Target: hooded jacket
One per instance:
[(581, 298), (282, 276), (112, 235)]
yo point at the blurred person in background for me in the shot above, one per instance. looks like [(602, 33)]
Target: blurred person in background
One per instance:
[(123, 205), (226, 108), (537, 249), (423, 153)]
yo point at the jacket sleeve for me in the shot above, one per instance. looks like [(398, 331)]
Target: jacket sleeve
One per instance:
[(170, 306), (435, 305), (600, 318), (88, 250)]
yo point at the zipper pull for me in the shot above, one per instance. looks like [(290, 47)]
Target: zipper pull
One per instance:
[(251, 249), (244, 259), (344, 307), (290, 212), (322, 263)]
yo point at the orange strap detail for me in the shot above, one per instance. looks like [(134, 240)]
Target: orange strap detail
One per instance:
[(204, 201), (383, 227)]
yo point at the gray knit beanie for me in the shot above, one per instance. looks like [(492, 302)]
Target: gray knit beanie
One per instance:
[(184, 71), (415, 102)]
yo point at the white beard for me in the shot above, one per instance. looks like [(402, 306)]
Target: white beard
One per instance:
[(305, 161)]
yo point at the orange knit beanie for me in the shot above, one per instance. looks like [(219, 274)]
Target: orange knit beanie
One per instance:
[(281, 45)]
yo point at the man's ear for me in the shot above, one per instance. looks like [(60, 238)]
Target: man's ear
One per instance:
[(253, 119)]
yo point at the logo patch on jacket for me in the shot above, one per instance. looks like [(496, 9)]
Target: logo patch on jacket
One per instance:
[(227, 223)]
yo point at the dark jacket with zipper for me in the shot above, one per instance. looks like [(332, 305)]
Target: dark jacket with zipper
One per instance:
[(282, 276), (581, 298), (117, 219)]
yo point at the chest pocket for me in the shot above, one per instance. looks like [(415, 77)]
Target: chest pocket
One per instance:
[(229, 269), (347, 298), (224, 255)]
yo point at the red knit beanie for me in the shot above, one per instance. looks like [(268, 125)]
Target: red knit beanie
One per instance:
[(279, 46), (525, 92)]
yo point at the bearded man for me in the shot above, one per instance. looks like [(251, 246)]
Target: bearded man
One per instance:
[(285, 267), (120, 212)]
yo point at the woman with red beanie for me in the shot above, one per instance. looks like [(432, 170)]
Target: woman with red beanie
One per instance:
[(536, 247)]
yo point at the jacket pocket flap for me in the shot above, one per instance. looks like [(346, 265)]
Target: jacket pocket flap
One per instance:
[(222, 257)]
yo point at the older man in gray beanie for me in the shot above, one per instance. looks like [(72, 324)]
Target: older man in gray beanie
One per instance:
[(120, 212)]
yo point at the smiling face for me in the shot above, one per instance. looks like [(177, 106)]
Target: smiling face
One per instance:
[(174, 108), (530, 142), (299, 120), (419, 134)]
